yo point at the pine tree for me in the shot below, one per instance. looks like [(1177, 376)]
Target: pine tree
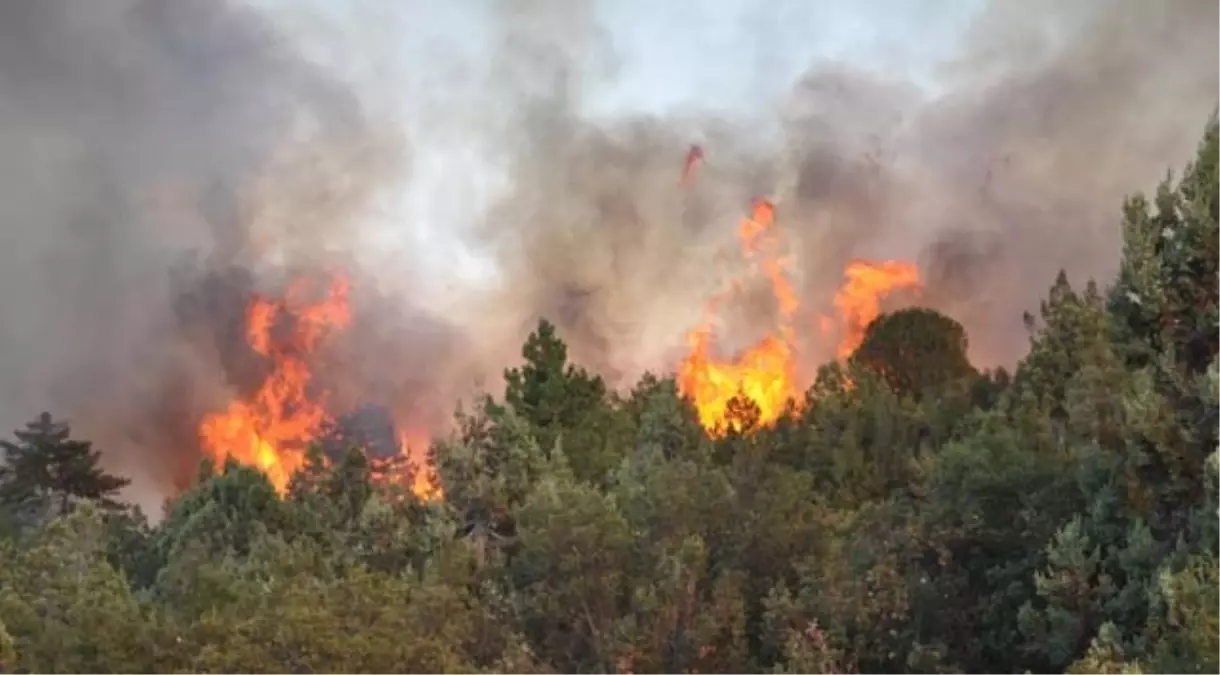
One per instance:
[(1165, 306), (565, 406), (548, 392), (45, 467)]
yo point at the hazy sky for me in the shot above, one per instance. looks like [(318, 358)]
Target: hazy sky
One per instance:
[(427, 60), (725, 55), (731, 56), (735, 55)]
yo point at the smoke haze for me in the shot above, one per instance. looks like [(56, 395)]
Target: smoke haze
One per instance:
[(135, 136), (1012, 168), (165, 159)]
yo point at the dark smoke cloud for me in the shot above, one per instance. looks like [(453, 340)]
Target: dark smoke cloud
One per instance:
[(141, 137), (1014, 167), (165, 160), (1040, 143)]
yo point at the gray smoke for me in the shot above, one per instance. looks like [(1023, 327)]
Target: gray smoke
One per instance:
[(1044, 137), (1013, 168), (166, 159), (140, 137)]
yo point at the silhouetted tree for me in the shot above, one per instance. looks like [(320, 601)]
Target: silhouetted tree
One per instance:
[(915, 351), (46, 467)]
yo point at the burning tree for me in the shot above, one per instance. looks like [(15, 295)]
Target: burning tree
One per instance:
[(272, 429), (289, 410), (765, 374)]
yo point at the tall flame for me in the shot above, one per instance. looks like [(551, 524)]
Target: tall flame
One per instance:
[(272, 429), (424, 482), (765, 372), (858, 301)]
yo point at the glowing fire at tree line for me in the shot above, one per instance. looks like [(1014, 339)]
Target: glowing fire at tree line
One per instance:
[(766, 372), (272, 428)]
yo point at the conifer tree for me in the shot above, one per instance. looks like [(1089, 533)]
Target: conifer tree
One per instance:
[(564, 404), (46, 467)]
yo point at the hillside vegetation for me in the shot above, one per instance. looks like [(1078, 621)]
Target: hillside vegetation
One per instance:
[(909, 515)]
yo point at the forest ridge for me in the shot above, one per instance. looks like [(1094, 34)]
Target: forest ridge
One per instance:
[(910, 515)]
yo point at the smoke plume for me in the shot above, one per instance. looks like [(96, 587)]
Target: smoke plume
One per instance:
[(1013, 166), (164, 160), (156, 154)]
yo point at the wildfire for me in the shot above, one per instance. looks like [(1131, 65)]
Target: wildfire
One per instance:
[(858, 301), (766, 371), (424, 482), (272, 429)]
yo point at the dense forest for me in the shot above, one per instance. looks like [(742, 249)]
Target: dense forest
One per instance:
[(911, 514)]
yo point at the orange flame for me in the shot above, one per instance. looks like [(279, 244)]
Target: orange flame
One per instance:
[(858, 301), (271, 430), (425, 483), (766, 371)]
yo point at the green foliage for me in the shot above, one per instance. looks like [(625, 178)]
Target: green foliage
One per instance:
[(225, 511), (1105, 655), (917, 352), (45, 471), (66, 609), (290, 614), (569, 573), (8, 650), (565, 406), (806, 650)]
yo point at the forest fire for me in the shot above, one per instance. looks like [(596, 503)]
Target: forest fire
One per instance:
[(273, 428), (858, 301), (766, 371), (424, 481)]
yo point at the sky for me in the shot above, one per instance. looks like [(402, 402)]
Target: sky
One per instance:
[(426, 62), (726, 55), (732, 55)]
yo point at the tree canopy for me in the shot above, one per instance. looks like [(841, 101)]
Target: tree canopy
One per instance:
[(45, 468), (916, 351)]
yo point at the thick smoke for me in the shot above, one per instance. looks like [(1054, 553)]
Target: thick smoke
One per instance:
[(158, 156), (1040, 150), (1013, 167), (165, 160)]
